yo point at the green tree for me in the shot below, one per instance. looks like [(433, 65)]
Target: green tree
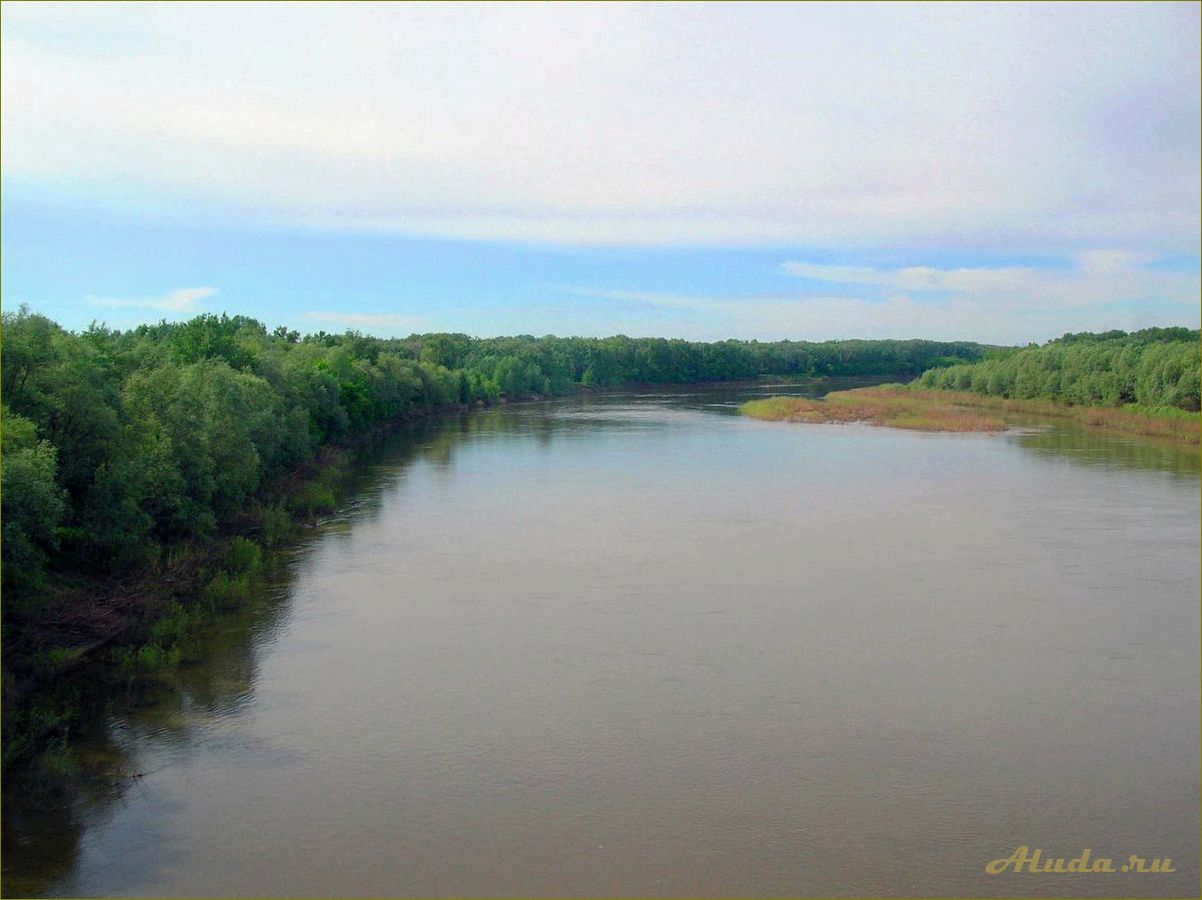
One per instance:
[(32, 502)]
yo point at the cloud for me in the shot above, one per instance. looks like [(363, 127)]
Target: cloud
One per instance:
[(804, 317), (1095, 290), (919, 279), (655, 299), (1001, 126), (1093, 278), (396, 323), (179, 301)]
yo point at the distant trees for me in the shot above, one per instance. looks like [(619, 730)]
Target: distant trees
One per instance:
[(1153, 367)]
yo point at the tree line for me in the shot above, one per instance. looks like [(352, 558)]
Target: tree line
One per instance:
[(1155, 367), (120, 444)]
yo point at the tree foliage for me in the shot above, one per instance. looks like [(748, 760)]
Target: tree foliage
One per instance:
[(1153, 367), (32, 501)]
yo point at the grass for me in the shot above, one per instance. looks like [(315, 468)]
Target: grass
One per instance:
[(1166, 422), (899, 406), (890, 406)]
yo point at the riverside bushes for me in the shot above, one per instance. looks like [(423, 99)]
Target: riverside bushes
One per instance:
[(1156, 367)]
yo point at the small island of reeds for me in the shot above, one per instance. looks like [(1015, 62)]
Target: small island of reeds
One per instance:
[(901, 406)]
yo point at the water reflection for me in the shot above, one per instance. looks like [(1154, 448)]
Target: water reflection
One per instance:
[(1078, 445), (47, 811)]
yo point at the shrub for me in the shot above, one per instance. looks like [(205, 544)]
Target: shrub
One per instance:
[(313, 499), (243, 556), (225, 591), (277, 525), (176, 623)]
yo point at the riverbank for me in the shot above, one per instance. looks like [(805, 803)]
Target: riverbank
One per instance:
[(129, 632), (125, 632), (900, 406)]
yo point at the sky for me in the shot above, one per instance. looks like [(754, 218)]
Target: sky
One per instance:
[(1002, 173)]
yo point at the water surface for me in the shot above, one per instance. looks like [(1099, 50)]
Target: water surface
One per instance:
[(639, 645)]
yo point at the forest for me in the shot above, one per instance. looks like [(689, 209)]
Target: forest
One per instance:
[(121, 445), (1155, 367)]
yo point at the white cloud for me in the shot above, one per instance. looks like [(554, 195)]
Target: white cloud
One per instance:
[(1006, 126), (805, 317), (1107, 261), (919, 279), (179, 301), (395, 323), (1102, 289), (654, 299), (1099, 277)]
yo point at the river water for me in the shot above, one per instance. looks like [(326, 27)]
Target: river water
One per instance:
[(636, 644)]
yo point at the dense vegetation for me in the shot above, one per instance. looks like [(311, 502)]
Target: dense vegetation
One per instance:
[(1156, 367), (120, 445)]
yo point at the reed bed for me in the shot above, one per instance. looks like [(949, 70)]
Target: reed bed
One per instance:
[(899, 406)]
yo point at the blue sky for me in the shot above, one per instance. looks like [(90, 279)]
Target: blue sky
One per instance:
[(999, 173)]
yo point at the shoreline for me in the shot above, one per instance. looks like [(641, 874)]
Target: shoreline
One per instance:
[(900, 406), (128, 630)]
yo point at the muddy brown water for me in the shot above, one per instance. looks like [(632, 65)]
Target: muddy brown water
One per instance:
[(639, 645)]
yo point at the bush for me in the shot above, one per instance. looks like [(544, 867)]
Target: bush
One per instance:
[(62, 656), (226, 591), (148, 659), (155, 658), (277, 525), (177, 623), (243, 556), (313, 499), (1154, 367)]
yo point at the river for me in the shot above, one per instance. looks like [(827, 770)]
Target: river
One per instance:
[(636, 644)]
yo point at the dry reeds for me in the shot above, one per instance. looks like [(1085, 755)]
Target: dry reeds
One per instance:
[(898, 406)]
